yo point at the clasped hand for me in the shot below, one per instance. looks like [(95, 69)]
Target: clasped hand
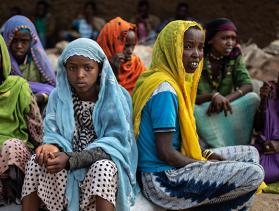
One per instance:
[(50, 156), (218, 104)]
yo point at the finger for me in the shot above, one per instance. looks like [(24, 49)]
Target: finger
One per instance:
[(225, 109), (38, 150), (40, 158), (229, 108), (45, 157), (52, 167), (208, 112), (51, 162), (52, 155)]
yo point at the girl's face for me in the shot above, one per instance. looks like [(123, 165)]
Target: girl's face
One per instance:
[(193, 49), (223, 42), (129, 45), (82, 74), (20, 45)]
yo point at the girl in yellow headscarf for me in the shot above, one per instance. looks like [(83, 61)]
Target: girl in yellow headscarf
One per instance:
[(175, 173)]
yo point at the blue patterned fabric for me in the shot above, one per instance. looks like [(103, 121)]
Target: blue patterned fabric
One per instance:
[(223, 185), (112, 119)]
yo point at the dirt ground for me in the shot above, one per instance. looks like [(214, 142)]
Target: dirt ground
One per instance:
[(266, 202)]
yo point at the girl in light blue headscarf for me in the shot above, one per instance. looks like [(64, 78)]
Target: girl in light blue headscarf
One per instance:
[(88, 159)]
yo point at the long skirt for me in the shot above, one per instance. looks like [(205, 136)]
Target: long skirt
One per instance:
[(234, 129), (100, 180), (13, 158), (207, 185)]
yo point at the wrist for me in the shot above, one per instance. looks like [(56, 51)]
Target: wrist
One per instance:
[(215, 95), (240, 92), (207, 153)]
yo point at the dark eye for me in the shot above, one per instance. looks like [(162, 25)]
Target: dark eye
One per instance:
[(88, 67), (71, 68), (187, 46)]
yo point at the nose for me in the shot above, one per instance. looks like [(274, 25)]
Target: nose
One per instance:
[(230, 42), (195, 53), (80, 73), (19, 45)]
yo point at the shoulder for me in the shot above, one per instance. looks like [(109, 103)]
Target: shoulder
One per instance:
[(164, 87)]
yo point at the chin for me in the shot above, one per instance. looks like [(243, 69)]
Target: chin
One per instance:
[(190, 70)]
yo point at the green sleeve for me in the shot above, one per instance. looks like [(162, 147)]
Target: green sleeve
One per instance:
[(240, 73)]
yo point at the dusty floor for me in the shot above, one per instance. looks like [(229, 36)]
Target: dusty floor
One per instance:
[(262, 202), (266, 202)]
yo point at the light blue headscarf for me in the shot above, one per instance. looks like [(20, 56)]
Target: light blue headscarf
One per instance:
[(112, 119)]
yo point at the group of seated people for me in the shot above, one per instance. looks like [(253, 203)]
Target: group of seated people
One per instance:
[(106, 127)]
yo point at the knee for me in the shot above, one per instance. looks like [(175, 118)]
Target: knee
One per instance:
[(257, 174), (253, 98), (10, 143), (107, 167)]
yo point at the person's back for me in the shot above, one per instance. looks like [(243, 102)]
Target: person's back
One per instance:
[(20, 128), (147, 23), (88, 24), (44, 23)]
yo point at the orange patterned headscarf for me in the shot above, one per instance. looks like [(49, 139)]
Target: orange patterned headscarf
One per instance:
[(112, 39)]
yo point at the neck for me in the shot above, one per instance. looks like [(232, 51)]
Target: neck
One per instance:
[(88, 96), (213, 56)]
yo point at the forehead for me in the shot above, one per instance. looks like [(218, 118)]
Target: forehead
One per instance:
[(225, 33), (22, 35), (76, 59), (194, 34)]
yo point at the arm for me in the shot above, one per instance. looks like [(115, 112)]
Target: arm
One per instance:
[(167, 153), (35, 123), (86, 158), (241, 79), (74, 160), (240, 92), (203, 98)]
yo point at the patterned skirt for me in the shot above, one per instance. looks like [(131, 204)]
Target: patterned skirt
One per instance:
[(100, 180), (13, 158), (221, 185)]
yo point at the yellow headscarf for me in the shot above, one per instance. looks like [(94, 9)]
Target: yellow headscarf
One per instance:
[(167, 65)]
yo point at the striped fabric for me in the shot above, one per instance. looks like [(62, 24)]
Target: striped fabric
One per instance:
[(84, 131), (219, 185)]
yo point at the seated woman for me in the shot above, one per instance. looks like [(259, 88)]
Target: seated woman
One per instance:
[(173, 170), (20, 128), (146, 22), (223, 87), (28, 57), (267, 123), (89, 156), (118, 39)]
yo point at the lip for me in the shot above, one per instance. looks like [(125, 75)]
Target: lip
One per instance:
[(20, 53), (193, 65), (80, 84), (228, 50)]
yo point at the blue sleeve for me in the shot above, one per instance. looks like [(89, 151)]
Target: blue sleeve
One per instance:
[(163, 108)]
